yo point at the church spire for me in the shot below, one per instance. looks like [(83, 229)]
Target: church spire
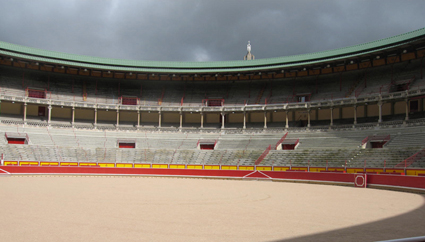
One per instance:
[(249, 56)]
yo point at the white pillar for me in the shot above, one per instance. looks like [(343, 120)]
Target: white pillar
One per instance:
[(49, 114), (222, 120), (25, 113), (287, 119), (181, 119), (380, 112), (138, 118), (265, 119), (118, 117), (202, 120), (308, 119), (95, 117), (73, 116), (244, 120), (159, 119)]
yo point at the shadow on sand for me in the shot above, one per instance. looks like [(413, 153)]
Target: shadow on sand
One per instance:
[(406, 225)]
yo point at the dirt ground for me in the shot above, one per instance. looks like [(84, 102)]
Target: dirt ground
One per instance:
[(120, 208)]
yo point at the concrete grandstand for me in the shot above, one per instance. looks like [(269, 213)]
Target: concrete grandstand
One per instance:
[(357, 109)]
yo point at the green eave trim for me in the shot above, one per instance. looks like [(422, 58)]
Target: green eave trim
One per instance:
[(205, 67)]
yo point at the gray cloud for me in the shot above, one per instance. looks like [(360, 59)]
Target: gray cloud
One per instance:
[(203, 30)]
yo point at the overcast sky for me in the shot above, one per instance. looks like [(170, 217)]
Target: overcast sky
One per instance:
[(203, 30)]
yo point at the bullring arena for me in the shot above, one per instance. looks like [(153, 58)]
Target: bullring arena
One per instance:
[(105, 150)]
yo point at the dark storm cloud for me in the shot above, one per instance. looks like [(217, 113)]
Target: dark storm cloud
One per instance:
[(203, 30)]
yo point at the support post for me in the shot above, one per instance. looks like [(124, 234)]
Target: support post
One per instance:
[(244, 120), (181, 119), (159, 119), (49, 114), (380, 112), (308, 118), (138, 118), (73, 116), (202, 120), (222, 120), (332, 118), (25, 113), (118, 118), (95, 117), (265, 119), (286, 119)]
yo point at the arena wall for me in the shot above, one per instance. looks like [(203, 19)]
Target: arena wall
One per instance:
[(416, 183)]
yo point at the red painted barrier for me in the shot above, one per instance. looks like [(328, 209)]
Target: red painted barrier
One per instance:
[(417, 182), (397, 180)]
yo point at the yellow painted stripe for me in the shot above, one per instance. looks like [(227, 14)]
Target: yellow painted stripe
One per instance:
[(212, 167), (49, 163), (352, 170), (142, 166), (264, 168), (106, 164), (395, 170), (88, 164), (317, 169), (194, 167), (161, 166), (229, 167), (277, 168), (69, 164), (177, 167), (246, 168), (28, 163), (10, 163), (125, 165)]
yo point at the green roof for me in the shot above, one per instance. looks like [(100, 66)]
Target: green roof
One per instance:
[(40, 55)]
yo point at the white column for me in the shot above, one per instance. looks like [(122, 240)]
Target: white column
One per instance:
[(265, 119), (118, 117), (25, 113), (380, 112), (159, 119), (138, 118), (222, 120), (95, 117), (244, 120), (73, 116), (181, 119), (202, 120), (308, 119), (49, 114), (287, 119)]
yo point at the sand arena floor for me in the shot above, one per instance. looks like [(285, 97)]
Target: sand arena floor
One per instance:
[(69, 208)]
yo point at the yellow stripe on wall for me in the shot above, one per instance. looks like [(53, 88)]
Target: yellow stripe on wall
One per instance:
[(212, 167)]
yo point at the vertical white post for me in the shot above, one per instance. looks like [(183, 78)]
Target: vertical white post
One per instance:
[(308, 119), (49, 114), (25, 113), (181, 119), (138, 118), (287, 119), (202, 120)]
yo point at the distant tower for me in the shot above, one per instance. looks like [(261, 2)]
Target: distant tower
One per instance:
[(249, 56)]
